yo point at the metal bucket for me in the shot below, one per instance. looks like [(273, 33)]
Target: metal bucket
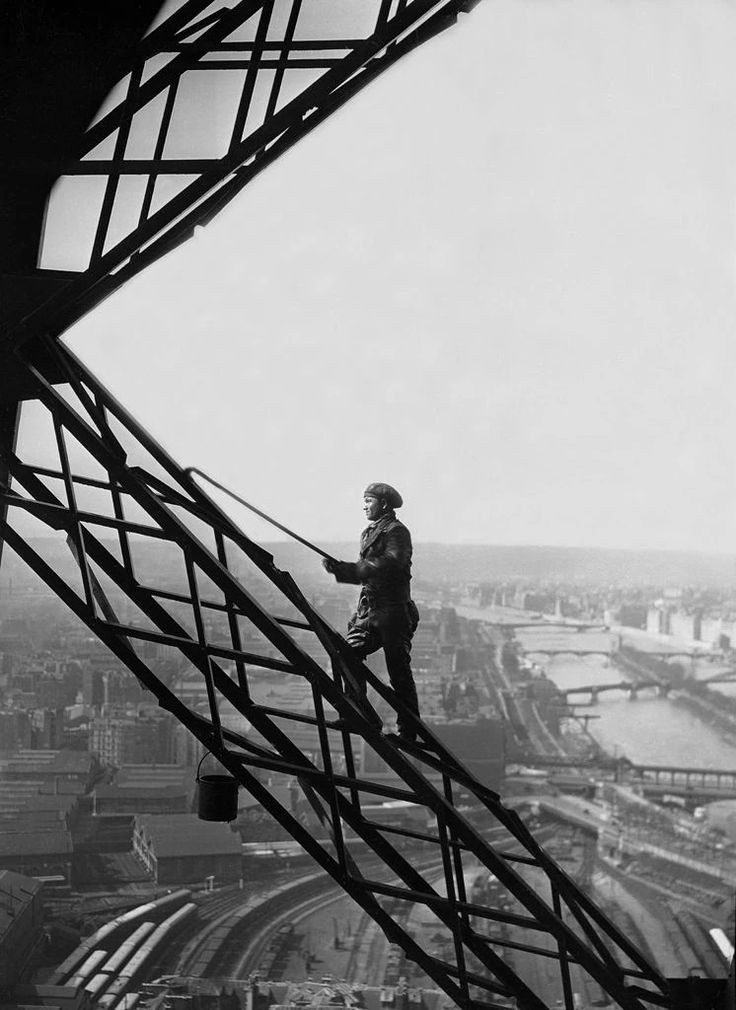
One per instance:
[(217, 797)]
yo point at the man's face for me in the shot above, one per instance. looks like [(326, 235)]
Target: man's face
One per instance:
[(372, 507)]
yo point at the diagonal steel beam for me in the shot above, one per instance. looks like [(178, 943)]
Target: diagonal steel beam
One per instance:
[(338, 795), (413, 24)]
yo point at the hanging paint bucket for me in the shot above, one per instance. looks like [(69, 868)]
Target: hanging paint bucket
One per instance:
[(217, 797)]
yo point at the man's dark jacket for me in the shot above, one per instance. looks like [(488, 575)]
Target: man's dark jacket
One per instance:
[(384, 567)]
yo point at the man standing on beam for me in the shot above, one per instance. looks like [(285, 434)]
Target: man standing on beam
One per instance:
[(386, 616)]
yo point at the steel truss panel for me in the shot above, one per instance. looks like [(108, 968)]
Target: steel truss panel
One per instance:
[(233, 614), (283, 67)]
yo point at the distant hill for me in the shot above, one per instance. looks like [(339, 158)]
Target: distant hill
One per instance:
[(475, 562), (596, 565)]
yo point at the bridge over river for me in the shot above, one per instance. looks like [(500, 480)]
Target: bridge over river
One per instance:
[(610, 652), (695, 785), (632, 688)]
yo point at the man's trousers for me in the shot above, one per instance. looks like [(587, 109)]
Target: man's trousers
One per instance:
[(389, 627)]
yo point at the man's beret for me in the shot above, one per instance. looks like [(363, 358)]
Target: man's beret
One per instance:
[(390, 494)]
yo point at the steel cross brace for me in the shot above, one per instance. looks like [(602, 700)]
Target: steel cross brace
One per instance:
[(160, 503), (130, 233), (212, 618)]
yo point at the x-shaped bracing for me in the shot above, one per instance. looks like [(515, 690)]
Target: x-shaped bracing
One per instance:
[(141, 495)]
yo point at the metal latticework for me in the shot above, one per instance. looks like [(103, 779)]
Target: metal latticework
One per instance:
[(216, 92), (261, 74), (109, 488)]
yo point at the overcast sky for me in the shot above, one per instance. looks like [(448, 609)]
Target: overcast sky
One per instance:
[(502, 279)]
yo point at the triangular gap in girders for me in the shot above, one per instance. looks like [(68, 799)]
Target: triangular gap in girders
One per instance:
[(114, 604), (167, 187), (153, 65), (246, 32), (356, 20), (189, 31), (144, 129), (295, 81), (36, 444), (114, 97), (105, 150), (278, 23), (129, 196)]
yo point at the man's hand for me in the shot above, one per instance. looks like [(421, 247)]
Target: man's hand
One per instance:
[(344, 571)]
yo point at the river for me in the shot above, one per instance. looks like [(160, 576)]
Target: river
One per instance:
[(648, 730)]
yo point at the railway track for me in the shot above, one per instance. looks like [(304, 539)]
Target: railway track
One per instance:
[(236, 927), (214, 948), (262, 952), (256, 955), (213, 909)]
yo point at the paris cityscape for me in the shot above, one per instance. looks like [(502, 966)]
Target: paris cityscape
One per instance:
[(604, 712), (367, 542)]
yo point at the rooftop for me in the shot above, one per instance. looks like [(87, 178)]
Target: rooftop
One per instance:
[(55, 762), (186, 835), (153, 776), (16, 891), (56, 841)]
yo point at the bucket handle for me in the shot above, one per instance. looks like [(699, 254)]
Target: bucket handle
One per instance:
[(205, 755)]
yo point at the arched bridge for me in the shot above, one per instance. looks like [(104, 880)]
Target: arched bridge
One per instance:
[(630, 686), (569, 651), (566, 625)]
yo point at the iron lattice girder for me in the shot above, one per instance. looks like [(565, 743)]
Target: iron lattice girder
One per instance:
[(159, 501), (192, 44)]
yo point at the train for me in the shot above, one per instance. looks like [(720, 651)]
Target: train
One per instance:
[(723, 944), (87, 968), (120, 985), (97, 986), (118, 929), (114, 965)]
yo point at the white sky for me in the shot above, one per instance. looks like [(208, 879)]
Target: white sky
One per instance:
[(501, 279)]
